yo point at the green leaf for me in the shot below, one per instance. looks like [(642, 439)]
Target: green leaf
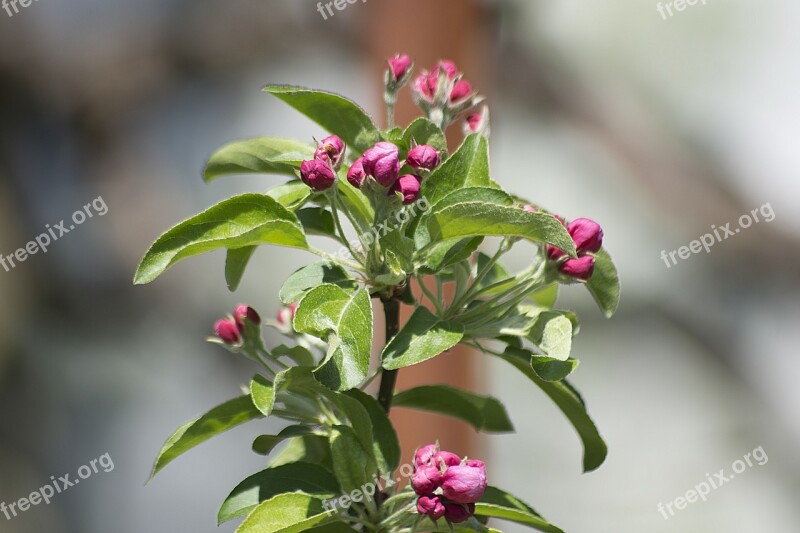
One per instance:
[(385, 443), (305, 448), (497, 273), (220, 419), (264, 444), (480, 218), (291, 195), (317, 221), (552, 333), (246, 220), (295, 379), (235, 265), (333, 112), (262, 155), (312, 276), (355, 203), (299, 354), (545, 297), (604, 283), (344, 321), (499, 504), (467, 167), (354, 467), (443, 254), (423, 131), (551, 369), (303, 477), (423, 337), (484, 413), (285, 513), (570, 403), (263, 392)]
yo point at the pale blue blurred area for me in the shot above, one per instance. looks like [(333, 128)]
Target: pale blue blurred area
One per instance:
[(657, 129)]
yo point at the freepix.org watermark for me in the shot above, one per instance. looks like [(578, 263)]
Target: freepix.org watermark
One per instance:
[(326, 8), (757, 457), (367, 490), (8, 5), (53, 233), (719, 234), (665, 8), (56, 486)]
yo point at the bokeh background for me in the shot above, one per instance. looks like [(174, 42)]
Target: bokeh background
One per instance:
[(658, 128)]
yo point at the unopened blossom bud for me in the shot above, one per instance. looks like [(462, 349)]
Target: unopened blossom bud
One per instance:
[(580, 268), (382, 162), (425, 86), (478, 122), (529, 208), (424, 455), (356, 173), (554, 253), (449, 68), (464, 483), (461, 91), (317, 174), (408, 186), (448, 458), (431, 506), (426, 479), (331, 149), (286, 314), (587, 235), (423, 156), (245, 312), (399, 66), (457, 513), (227, 331)]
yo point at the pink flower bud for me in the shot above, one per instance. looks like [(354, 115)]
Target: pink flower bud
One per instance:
[(464, 483), (457, 513), (423, 156), (399, 66), (431, 506), (426, 479), (317, 174), (424, 455), (245, 312), (580, 268), (448, 458), (461, 91), (555, 253), (382, 163), (425, 85), (529, 208), (356, 173), (474, 122), (331, 149), (587, 235), (286, 314), (408, 186), (227, 331), (449, 68), (478, 122)]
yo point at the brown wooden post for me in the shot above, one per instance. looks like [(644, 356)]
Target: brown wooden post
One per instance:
[(428, 31)]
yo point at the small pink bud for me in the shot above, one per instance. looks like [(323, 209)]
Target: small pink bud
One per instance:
[(431, 506), (245, 312), (286, 314), (382, 163), (448, 458), (331, 149), (426, 479), (423, 156), (449, 68), (317, 174), (457, 513), (555, 253), (464, 483), (529, 208), (399, 66), (474, 122), (227, 331), (461, 91), (580, 268), (356, 173), (425, 85), (587, 235), (408, 186), (424, 455)]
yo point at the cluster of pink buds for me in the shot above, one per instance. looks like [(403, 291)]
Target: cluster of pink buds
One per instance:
[(588, 238), (230, 329), (443, 93), (447, 485), (382, 163), (320, 173)]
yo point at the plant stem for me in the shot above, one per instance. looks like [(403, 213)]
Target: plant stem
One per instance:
[(391, 310)]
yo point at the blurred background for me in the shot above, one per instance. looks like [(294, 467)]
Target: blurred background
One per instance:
[(657, 127)]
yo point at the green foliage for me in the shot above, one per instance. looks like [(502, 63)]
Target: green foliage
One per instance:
[(340, 438)]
